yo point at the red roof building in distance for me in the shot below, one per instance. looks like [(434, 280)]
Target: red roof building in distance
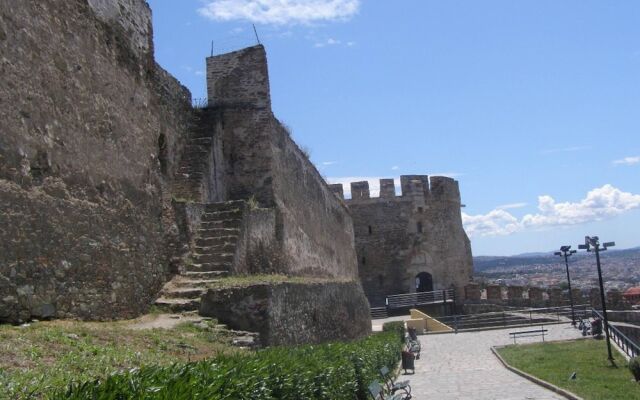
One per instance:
[(632, 295)]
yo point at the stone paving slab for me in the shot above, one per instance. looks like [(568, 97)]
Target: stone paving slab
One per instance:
[(462, 366)]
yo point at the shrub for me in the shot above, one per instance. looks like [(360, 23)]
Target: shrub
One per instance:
[(395, 326), (634, 366), (329, 371)]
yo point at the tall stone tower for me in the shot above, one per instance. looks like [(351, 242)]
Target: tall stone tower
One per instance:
[(412, 242)]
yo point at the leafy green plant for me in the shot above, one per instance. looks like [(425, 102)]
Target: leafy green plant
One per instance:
[(395, 326), (634, 367), (329, 371)]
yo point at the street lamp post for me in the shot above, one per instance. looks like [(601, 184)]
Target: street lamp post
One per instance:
[(590, 243), (566, 252)]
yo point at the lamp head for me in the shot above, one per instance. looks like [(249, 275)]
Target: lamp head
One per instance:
[(557, 253)]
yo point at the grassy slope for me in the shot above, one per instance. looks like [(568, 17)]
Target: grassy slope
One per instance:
[(50, 354), (555, 362)]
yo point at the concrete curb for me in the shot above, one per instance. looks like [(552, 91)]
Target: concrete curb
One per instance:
[(540, 382), (495, 328)]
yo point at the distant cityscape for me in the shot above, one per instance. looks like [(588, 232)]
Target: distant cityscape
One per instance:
[(620, 270)]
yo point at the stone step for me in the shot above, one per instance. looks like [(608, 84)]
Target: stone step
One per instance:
[(209, 266), (200, 140), (205, 274), (204, 246), (225, 223), (222, 215), (194, 283), (218, 232), (224, 258), (205, 240), (178, 305), (225, 206), (184, 293)]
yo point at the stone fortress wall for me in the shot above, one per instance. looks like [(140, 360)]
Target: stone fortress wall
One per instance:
[(91, 129), (112, 186), (417, 235), (260, 160)]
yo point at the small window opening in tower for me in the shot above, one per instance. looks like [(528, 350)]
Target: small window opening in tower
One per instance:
[(364, 260), (420, 210), (380, 280), (162, 153), (370, 230), (419, 227)]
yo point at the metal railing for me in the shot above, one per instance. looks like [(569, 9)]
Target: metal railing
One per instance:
[(513, 317), (624, 343), (408, 300)]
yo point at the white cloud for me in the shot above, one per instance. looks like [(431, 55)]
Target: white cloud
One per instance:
[(511, 206), (329, 162), (599, 204), (351, 44), (627, 161), (395, 168), (566, 149), (496, 222), (328, 42), (280, 12), (199, 72)]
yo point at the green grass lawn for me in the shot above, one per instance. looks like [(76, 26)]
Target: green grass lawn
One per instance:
[(48, 355), (554, 362)]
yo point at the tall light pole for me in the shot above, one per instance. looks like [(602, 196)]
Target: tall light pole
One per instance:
[(567, 252), (593, 244)]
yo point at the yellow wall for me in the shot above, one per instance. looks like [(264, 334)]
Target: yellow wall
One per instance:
[(422, 321)]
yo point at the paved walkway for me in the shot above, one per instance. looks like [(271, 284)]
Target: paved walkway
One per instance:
[(462, 366)]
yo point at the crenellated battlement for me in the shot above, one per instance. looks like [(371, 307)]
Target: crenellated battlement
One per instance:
[(435, 188)]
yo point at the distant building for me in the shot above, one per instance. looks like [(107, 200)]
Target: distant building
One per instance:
[(632, 295)]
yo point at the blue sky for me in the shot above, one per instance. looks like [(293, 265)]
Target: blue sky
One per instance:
[(533, 106)]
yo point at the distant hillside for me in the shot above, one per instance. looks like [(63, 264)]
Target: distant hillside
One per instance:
[(483, 263)]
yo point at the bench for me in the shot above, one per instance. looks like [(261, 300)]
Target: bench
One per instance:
[(393, 387), (377, 393), (536, 332)]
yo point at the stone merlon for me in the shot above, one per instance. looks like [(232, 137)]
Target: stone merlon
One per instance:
[(239, 78)]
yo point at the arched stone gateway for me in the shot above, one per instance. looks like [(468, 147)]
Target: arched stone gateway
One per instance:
[(424, 282)]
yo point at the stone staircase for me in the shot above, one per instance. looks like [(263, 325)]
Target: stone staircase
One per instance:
[(212, 254), (195, 160)]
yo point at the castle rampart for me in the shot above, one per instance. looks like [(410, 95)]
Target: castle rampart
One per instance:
[(110, 182), (409, 242)]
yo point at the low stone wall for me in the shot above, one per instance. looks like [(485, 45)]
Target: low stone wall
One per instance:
[(292, 313), (518, 296)]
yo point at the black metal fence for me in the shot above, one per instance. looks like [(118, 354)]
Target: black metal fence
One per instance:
[(408, 300), (513, 317), (624, 343)]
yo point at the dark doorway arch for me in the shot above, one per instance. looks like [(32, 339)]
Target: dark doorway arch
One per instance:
[(424, 282)]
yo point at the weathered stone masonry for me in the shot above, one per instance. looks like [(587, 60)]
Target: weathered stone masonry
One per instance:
[(85, 216), (408, 243), (112, 185)]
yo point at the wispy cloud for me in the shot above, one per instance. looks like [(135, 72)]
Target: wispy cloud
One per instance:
[(599, 204), (627, 161), (328, 42), (511, 206), (280, 12), (570, 149), (329, 162), (395, 168)]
